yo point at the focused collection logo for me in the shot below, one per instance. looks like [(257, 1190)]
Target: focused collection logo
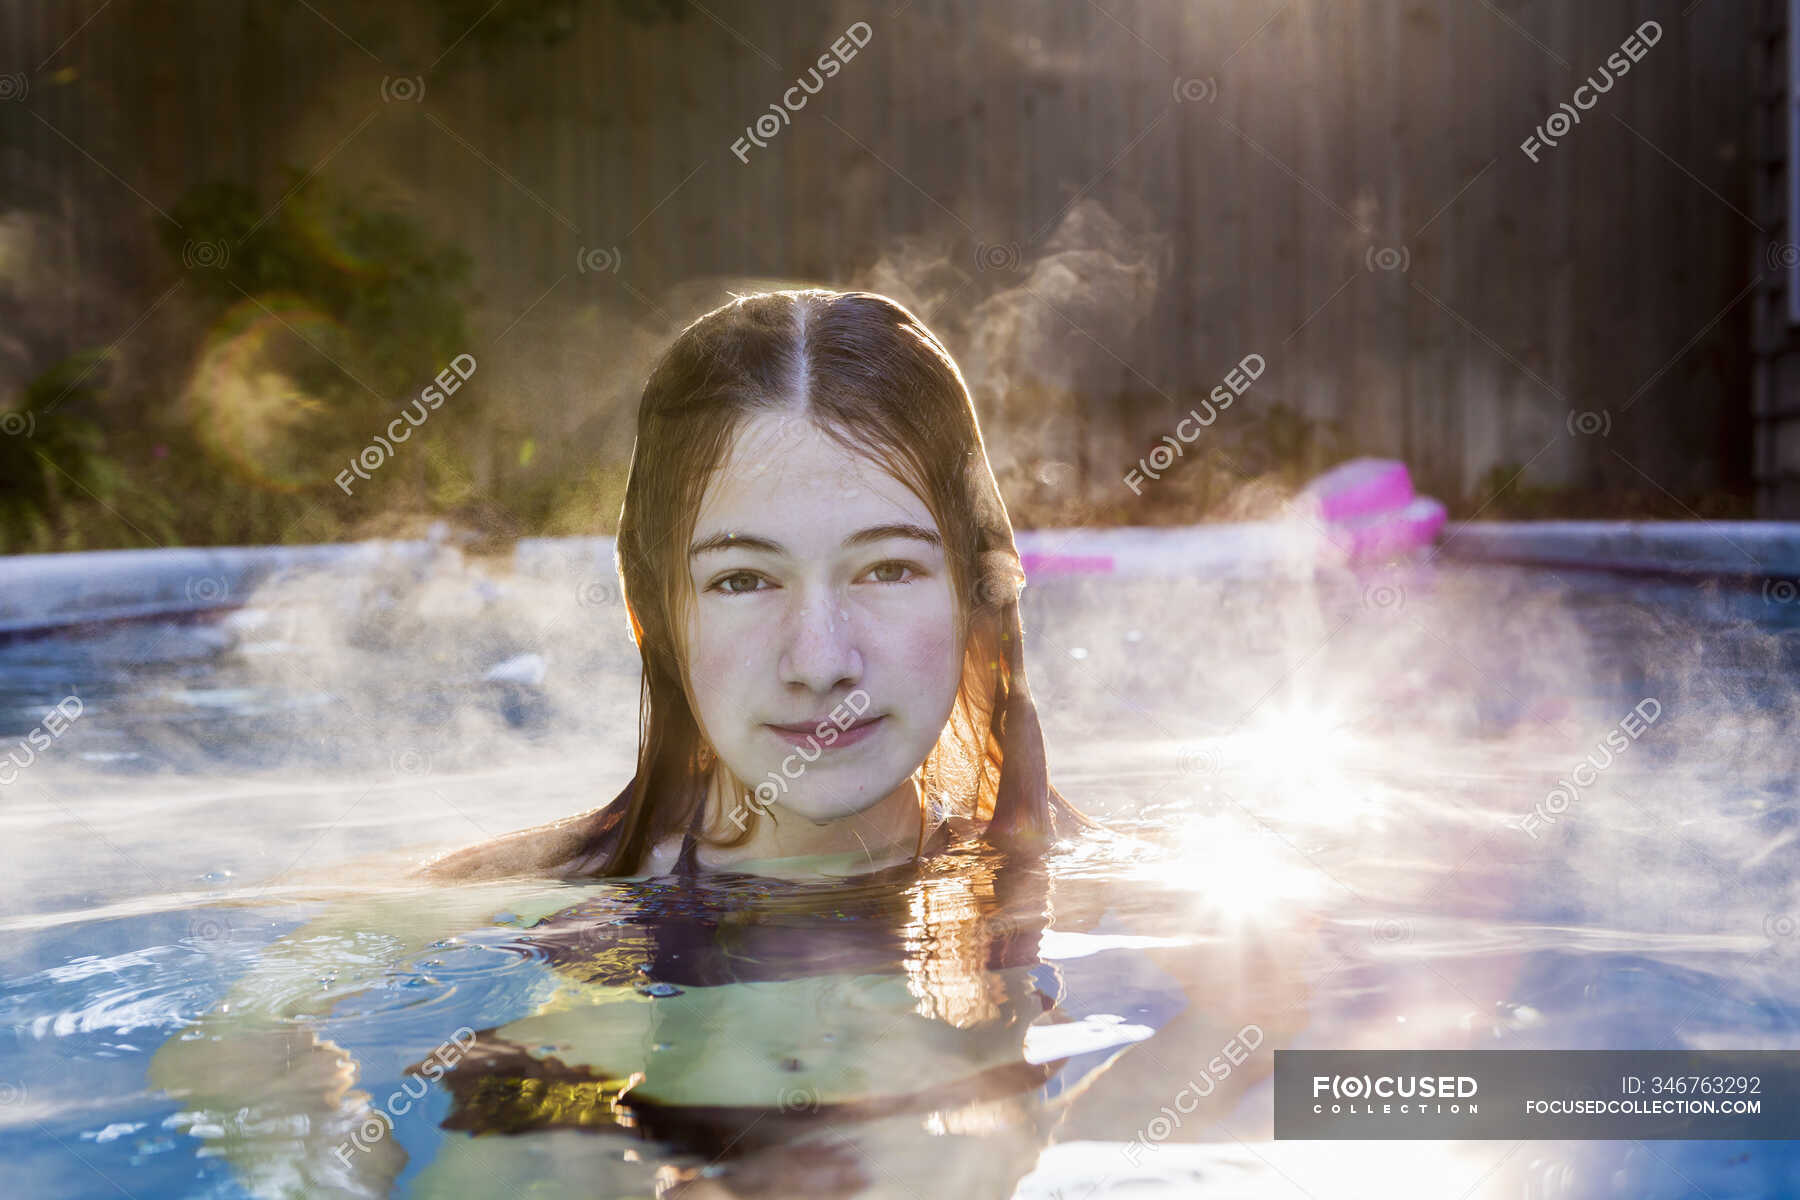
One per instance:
[(1366, 1095)]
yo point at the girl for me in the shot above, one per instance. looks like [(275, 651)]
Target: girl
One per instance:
[(822, 582)]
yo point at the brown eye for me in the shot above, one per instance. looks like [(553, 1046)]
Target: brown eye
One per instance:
[(720, 584), (893, 565)]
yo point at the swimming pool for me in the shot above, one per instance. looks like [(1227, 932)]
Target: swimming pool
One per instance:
[(1335, 823)]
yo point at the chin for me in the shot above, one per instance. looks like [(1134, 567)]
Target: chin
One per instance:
[(829, 801)]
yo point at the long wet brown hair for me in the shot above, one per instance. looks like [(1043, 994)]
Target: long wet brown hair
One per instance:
[(869, 375)]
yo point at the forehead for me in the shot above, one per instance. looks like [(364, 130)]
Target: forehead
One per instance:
[(784, 478)]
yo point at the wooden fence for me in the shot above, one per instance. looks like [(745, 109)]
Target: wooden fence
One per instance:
[(1102, 206)]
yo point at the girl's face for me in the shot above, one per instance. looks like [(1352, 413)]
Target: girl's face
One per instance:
[(823, 652)]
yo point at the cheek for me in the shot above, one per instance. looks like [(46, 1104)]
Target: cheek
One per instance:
[(928, 657), (716, 669)]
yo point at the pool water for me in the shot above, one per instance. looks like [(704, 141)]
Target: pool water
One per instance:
[(1333, 821)]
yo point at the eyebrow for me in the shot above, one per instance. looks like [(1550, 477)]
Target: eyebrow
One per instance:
[(729, 540)]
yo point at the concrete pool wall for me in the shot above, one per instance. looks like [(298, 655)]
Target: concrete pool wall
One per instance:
[(44, 592)]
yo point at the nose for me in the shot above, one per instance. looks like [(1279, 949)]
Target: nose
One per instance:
[(819, 649)]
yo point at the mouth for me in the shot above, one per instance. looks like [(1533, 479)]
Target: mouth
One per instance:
[(846, 735)]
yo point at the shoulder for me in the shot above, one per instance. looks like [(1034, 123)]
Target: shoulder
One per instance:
[(661, 858)]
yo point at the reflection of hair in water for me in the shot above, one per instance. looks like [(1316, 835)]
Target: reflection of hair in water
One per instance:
[(962, 932), (870, 374)]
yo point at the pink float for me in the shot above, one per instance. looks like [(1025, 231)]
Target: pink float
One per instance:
[(1066, 564), (1369, 512)]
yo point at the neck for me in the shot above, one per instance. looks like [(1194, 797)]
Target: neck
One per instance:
[(886, 832)]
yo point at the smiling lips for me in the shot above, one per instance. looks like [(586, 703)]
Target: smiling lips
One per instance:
[(849, 736)]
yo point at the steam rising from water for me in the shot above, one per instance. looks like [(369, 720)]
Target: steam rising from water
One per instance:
[(1380, 739), (1044, 331), (1347, 756)]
